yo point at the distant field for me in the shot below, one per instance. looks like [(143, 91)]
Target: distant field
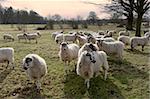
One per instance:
[(128, 79)]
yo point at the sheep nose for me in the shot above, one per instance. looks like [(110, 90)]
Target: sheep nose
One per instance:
[(25, 68), (93, 61)]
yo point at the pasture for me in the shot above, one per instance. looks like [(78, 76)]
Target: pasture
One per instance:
[(127, 79)]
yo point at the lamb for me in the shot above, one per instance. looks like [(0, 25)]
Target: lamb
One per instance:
[(56, 33), (7, 55), (82, 40), (8, 37), (22, 37), (125, 33), (33, 36), (87, 67), (88, 47), (139, 41), (124, 39), (35, 67), (116, 47), (68, 52)]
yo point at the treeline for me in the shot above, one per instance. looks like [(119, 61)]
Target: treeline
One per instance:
[(12, 16)]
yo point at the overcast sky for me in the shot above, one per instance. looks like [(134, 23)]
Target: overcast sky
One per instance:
[(66, 8)]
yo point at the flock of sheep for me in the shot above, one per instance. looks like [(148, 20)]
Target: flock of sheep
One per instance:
[(24, 36), (89, 50)]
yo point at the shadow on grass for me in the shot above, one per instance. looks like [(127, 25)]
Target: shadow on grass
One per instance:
[(137, 52), (4, 74), (124, 70), (28, 92), (74, 88)]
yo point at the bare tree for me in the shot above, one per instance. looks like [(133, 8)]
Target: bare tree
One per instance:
[(140, 7), (123, 7)]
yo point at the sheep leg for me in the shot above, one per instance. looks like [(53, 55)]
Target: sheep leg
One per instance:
[(36, 41), (105, 74), (142, 48), (87, 82), (38, 84), (7, 64)]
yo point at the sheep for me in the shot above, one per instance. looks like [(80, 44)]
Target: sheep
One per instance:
[(88, 47), (59, 38), (8, 37), (102, 32), (7, 55), (139, 41), (91, 39), (125, 33), (116, 47), (35, 68), (124, 39), (109, 34), (33, 36), (108, 39), (147, 33), (82, 40), (56, 33), (70, 37), (89, 64), (68, 52), (22, 36)]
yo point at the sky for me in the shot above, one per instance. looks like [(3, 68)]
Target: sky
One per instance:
[(66, 8)]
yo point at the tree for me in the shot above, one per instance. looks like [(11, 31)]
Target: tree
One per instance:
[(123, 7), (58, 19), (92, 17), (140, 7)]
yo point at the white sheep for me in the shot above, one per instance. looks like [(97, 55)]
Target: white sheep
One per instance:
[(56, 33), (7, 55), (59, 38), (8, 37), (35, 67), (33, 36), (88, 47), (82, 40), (147, 33), (139, 41), (125, 33), (89, 63), (102, 32), (70, 37), (110, 33), (68, 52), (22, 37), (124, 39), (92, 39), (116, 47), (108, 39)]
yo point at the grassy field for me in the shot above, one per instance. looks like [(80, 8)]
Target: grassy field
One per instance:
[(128, 79)]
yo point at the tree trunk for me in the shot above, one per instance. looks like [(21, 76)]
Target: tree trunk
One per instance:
[(138, 26), (130, 22)]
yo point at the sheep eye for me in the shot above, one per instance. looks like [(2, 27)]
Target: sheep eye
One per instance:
[(28, 60)]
